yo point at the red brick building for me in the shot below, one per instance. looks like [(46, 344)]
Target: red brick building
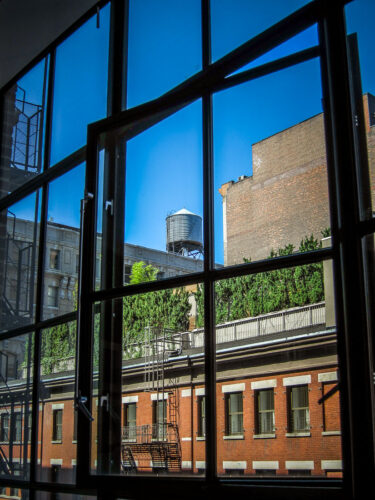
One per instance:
[(286, 197)]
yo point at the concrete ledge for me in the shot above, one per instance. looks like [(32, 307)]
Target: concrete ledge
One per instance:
[(266, 464)]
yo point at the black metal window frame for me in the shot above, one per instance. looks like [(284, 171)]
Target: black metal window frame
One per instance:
[(349, 228)]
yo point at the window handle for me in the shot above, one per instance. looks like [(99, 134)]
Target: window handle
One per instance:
[(81, 406)]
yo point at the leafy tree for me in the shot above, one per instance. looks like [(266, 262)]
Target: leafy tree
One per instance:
[(261, 293), (142, 272), (160, 310)]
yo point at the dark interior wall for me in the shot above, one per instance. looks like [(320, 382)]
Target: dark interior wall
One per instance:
[(28, 26)]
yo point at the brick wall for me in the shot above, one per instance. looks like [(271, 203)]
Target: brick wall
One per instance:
[(286, 198)]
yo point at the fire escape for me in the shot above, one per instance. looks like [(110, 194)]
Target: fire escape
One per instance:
[(25, 122), (156, 445)]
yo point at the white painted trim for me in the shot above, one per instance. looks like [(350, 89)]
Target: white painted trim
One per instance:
[(233, 388), (298, 380), (186, 439), (240, 465), (186, 393), (155, 395), (59, 406), (186, 464), (266, 464), (264, 384), (332, 464), (74, 462), (130, 399), (327, 377), (200, 464), (299, 464), (201, 391), (56, 461)]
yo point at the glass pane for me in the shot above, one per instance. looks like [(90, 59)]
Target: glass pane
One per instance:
[(6, 492), (153, 404), (62, 243), (271, 191), (15, 405), (359, 17), (80, 87), (234, 22), (164, 46), (163, 200), (278, 404), (22, 132), (56, 440), (304, 40), (368, 246), (45, 495), (19, 237)]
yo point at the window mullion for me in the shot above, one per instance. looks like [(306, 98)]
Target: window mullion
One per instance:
[(355, 382)]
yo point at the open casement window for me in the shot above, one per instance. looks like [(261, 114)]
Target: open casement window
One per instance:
[(161, 317)]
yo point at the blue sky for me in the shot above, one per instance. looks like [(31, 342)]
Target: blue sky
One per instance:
[(164, 164)]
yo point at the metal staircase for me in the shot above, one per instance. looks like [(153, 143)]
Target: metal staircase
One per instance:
[(156, 445)]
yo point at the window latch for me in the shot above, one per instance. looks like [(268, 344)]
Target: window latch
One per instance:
[(104, 401), (109, 206), (81, 406)]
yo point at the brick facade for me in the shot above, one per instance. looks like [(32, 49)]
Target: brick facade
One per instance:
[(286, 198)]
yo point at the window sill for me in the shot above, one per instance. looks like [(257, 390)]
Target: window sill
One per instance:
[(74, 441), (331, 433), (238, 436), (201, 438), (264, 436), (298, 434), (129, 440), (59, 441)]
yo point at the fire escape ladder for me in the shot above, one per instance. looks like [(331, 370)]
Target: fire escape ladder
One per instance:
[(5, 466), (128, 462)]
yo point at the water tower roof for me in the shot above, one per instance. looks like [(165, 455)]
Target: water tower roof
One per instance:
[(184, 211)]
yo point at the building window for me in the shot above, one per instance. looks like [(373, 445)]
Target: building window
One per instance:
[(4, 431), (299, 472), (57, 425), (201, 416), (52, 296), (130, 421), (265, 472), (159, 420), (127, 273), (75, 426), (234, 472), (265, 411), (233, 414), (299, 419), (54, 259), (55, 473), (17, 429)]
